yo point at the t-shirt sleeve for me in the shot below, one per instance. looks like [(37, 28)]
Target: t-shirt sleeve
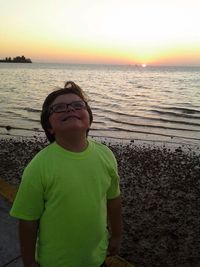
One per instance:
[(114, 189), (29, 201)]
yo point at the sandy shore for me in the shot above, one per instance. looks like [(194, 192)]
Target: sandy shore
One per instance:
[(160, 192)]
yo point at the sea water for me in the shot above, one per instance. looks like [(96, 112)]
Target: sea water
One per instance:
[(159, 104)]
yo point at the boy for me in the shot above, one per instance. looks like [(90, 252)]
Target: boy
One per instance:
[(68, 190)]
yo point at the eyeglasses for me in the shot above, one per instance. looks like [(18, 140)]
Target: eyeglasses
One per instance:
[(62, 107)]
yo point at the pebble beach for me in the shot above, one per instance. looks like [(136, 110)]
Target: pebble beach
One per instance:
[(160, 189)]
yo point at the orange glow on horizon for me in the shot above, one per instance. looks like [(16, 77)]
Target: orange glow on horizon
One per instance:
[(72, 53)]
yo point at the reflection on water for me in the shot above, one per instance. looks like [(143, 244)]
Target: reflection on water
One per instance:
[(128, 102)]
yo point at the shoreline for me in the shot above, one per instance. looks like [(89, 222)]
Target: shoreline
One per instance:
[(160, 188), (22, 149), (185, 145)]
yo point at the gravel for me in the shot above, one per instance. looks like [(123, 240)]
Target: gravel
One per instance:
[(160, 189)]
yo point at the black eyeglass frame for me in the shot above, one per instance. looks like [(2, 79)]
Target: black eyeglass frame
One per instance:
[(66, 106)]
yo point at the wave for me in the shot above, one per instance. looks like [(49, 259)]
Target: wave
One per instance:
[(175, 114), (31, 109), (22, 116), (120, 114), (175, 121), (184, 110), (142, 86), (115, 129), (157, 126), (109, 111), (8, 128)]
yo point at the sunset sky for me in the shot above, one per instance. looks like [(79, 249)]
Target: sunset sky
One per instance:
[(152, 32)]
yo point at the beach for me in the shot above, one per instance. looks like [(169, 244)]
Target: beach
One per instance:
[(160, 188)]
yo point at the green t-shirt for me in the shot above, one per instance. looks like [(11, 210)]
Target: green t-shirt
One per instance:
[(68, 192)]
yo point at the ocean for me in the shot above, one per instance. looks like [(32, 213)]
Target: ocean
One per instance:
[(156, 104)]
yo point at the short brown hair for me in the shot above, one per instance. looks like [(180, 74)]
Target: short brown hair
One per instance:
[(69, 88)]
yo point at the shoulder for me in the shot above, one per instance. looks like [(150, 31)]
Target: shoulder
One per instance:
[(100, 146), (42, 156), (103, 150), (46, 152)]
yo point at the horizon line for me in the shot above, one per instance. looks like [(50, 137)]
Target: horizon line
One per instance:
[(111, 64)]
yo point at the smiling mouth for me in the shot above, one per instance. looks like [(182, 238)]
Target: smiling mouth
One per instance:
[(69, 117)]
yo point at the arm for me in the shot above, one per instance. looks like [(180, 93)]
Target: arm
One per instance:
[(28, 237), (115, 222)]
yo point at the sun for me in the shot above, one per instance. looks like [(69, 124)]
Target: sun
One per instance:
[(144, 65)]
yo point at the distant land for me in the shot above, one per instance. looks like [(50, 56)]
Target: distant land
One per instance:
[(17, 59)]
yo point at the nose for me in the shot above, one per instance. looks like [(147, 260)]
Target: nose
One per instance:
[(70, 108)]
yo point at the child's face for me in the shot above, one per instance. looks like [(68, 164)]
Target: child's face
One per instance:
[(71, 120)]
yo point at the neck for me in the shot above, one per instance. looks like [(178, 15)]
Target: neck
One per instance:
[(73, 143)]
